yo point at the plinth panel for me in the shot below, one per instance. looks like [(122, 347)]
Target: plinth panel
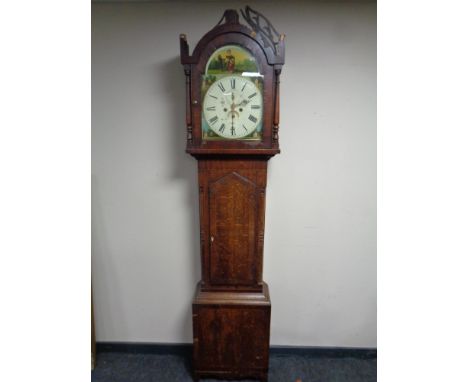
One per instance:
[(231, 334)]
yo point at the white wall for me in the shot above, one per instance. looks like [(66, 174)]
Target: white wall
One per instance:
[(320, 238)]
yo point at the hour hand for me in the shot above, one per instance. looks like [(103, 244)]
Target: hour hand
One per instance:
[(243, 103)]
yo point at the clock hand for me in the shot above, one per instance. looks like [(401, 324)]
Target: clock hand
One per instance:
[(233, 111), (243, 103)]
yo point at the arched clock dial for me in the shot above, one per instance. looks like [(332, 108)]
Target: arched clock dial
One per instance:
[(233, 107)]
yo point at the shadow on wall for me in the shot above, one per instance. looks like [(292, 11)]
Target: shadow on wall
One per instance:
[(184, 168)]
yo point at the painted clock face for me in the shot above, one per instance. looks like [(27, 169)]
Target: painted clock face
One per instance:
[(233, 107)]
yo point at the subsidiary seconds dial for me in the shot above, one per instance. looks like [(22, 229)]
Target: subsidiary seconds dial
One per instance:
[(233, 107)]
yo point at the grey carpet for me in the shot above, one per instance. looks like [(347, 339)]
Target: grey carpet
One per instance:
[(127, 367)]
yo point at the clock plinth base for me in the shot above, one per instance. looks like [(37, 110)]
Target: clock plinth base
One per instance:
[(263, 377), (231, 334)]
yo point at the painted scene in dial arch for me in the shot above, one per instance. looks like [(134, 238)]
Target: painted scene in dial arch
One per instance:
[(227, 61)]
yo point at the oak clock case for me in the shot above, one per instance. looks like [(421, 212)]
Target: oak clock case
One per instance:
[(232, 118)]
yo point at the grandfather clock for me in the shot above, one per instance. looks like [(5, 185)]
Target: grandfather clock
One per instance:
[(232, 116)]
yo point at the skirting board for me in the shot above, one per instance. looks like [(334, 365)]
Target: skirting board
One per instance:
[(186, 350)]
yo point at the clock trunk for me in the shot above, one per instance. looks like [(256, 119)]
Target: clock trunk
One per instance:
[(232, 216)]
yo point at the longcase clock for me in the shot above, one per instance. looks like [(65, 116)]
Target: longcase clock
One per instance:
[(232, 117)]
